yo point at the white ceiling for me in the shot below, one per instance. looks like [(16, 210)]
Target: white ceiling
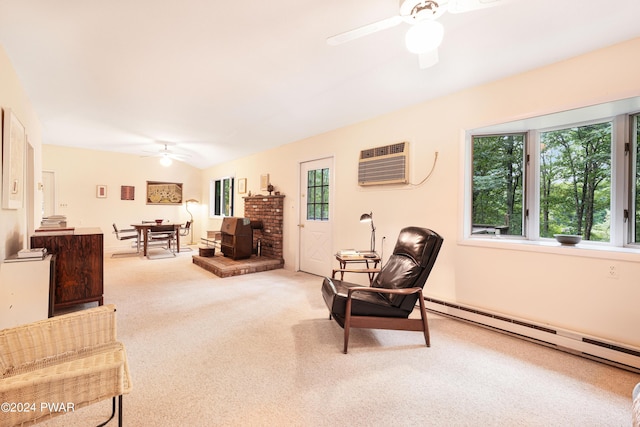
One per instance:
[(221, 79)]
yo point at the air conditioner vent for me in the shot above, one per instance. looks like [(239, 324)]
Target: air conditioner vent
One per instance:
[(388, 164)]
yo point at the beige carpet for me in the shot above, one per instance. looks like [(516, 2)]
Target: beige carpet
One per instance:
[(259, 350)]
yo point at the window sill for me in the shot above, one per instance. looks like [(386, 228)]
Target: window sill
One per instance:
[(582, 249)]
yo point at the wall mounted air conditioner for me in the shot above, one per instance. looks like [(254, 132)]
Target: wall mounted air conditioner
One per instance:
[(388, 164)]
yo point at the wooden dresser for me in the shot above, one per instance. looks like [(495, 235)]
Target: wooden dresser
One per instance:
[(79, 271)]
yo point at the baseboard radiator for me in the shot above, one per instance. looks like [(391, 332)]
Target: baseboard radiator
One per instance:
[(616, 354)]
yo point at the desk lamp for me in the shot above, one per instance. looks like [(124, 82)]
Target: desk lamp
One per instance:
[(186, 205), (368, 217)]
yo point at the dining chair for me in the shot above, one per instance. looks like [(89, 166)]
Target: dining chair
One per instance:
[(124, 235), (161, 237)]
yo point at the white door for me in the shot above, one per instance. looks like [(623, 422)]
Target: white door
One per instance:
[(48, 193), (315, 216)]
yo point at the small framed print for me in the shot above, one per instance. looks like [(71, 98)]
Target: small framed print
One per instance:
[(127, 192), (242, 185), (264, 181), (101, 191)]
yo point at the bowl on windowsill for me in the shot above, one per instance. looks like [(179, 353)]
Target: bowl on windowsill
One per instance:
[(568, 239), (159, 221)]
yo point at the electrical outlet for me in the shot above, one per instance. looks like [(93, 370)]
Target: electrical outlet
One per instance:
[(612, 272)]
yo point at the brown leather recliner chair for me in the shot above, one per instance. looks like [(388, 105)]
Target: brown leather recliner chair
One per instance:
[(392, 296)]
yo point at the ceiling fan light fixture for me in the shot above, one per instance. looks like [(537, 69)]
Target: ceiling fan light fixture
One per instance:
[(424, 37), (165, 160)]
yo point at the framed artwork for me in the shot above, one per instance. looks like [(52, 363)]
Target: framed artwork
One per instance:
[(264, 181), (164, 193), (14, 140), (101, 191), (127, 192), (242, 185)]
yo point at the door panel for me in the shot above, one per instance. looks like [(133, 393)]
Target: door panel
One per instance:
[(316, 207)]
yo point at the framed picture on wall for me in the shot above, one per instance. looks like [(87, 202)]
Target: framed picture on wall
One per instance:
[(242, 185), (264, 181), (164, 193), (13, 160), (127, 192), (101, 191)]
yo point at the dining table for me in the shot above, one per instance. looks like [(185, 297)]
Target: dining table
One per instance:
[(144, 228)]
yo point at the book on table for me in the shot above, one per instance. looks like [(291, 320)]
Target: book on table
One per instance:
[(32, 253), (348, 252)]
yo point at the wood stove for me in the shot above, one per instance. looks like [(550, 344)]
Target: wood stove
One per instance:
[(237, 238)]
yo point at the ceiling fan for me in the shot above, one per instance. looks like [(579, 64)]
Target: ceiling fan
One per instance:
[(167, 156), (426, 33)]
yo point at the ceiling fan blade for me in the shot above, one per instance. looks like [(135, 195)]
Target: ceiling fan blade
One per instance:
[(364, 30), (428, 59), (461, 6)]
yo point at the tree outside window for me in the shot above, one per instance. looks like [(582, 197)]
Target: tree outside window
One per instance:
[(498, 169), (575, 182), (221, 195), (318, 194)]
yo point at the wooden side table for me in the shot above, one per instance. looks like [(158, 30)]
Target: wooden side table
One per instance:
[(365, 261)]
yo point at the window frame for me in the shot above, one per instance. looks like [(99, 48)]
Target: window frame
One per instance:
[(624, 143), (632, 171), (216, 195), (525, 194), (325, 190)]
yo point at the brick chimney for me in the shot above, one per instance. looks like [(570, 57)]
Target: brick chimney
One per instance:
[(269, 211)]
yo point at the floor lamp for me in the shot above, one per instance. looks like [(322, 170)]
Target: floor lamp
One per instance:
[(186, 205)]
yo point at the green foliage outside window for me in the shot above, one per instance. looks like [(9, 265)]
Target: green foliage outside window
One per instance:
[(318, 194), (221, 193), (575, 182), (498, 167)]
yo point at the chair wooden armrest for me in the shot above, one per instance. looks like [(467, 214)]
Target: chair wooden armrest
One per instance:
[(405, 291)]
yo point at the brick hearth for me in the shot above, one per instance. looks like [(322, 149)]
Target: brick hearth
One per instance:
[(269, 211)]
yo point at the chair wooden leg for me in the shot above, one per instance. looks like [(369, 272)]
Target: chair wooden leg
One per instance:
[(347, 325), (346, 338), (425, 325)]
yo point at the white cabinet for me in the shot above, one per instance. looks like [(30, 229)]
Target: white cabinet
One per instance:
[(24, 291)]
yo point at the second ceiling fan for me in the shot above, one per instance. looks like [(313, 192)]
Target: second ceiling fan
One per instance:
[(426, 33)]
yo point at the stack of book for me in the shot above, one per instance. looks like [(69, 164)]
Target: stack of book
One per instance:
[(54, 221), (33, 254)]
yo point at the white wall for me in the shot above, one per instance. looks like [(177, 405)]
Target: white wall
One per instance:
[(569, 291), (79, 171), (13, 223)]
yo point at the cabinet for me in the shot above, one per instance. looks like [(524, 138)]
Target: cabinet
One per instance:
[(79, 272), (24, 291)]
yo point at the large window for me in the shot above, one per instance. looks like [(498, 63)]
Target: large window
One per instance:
[(559, 176), (221, 197)]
